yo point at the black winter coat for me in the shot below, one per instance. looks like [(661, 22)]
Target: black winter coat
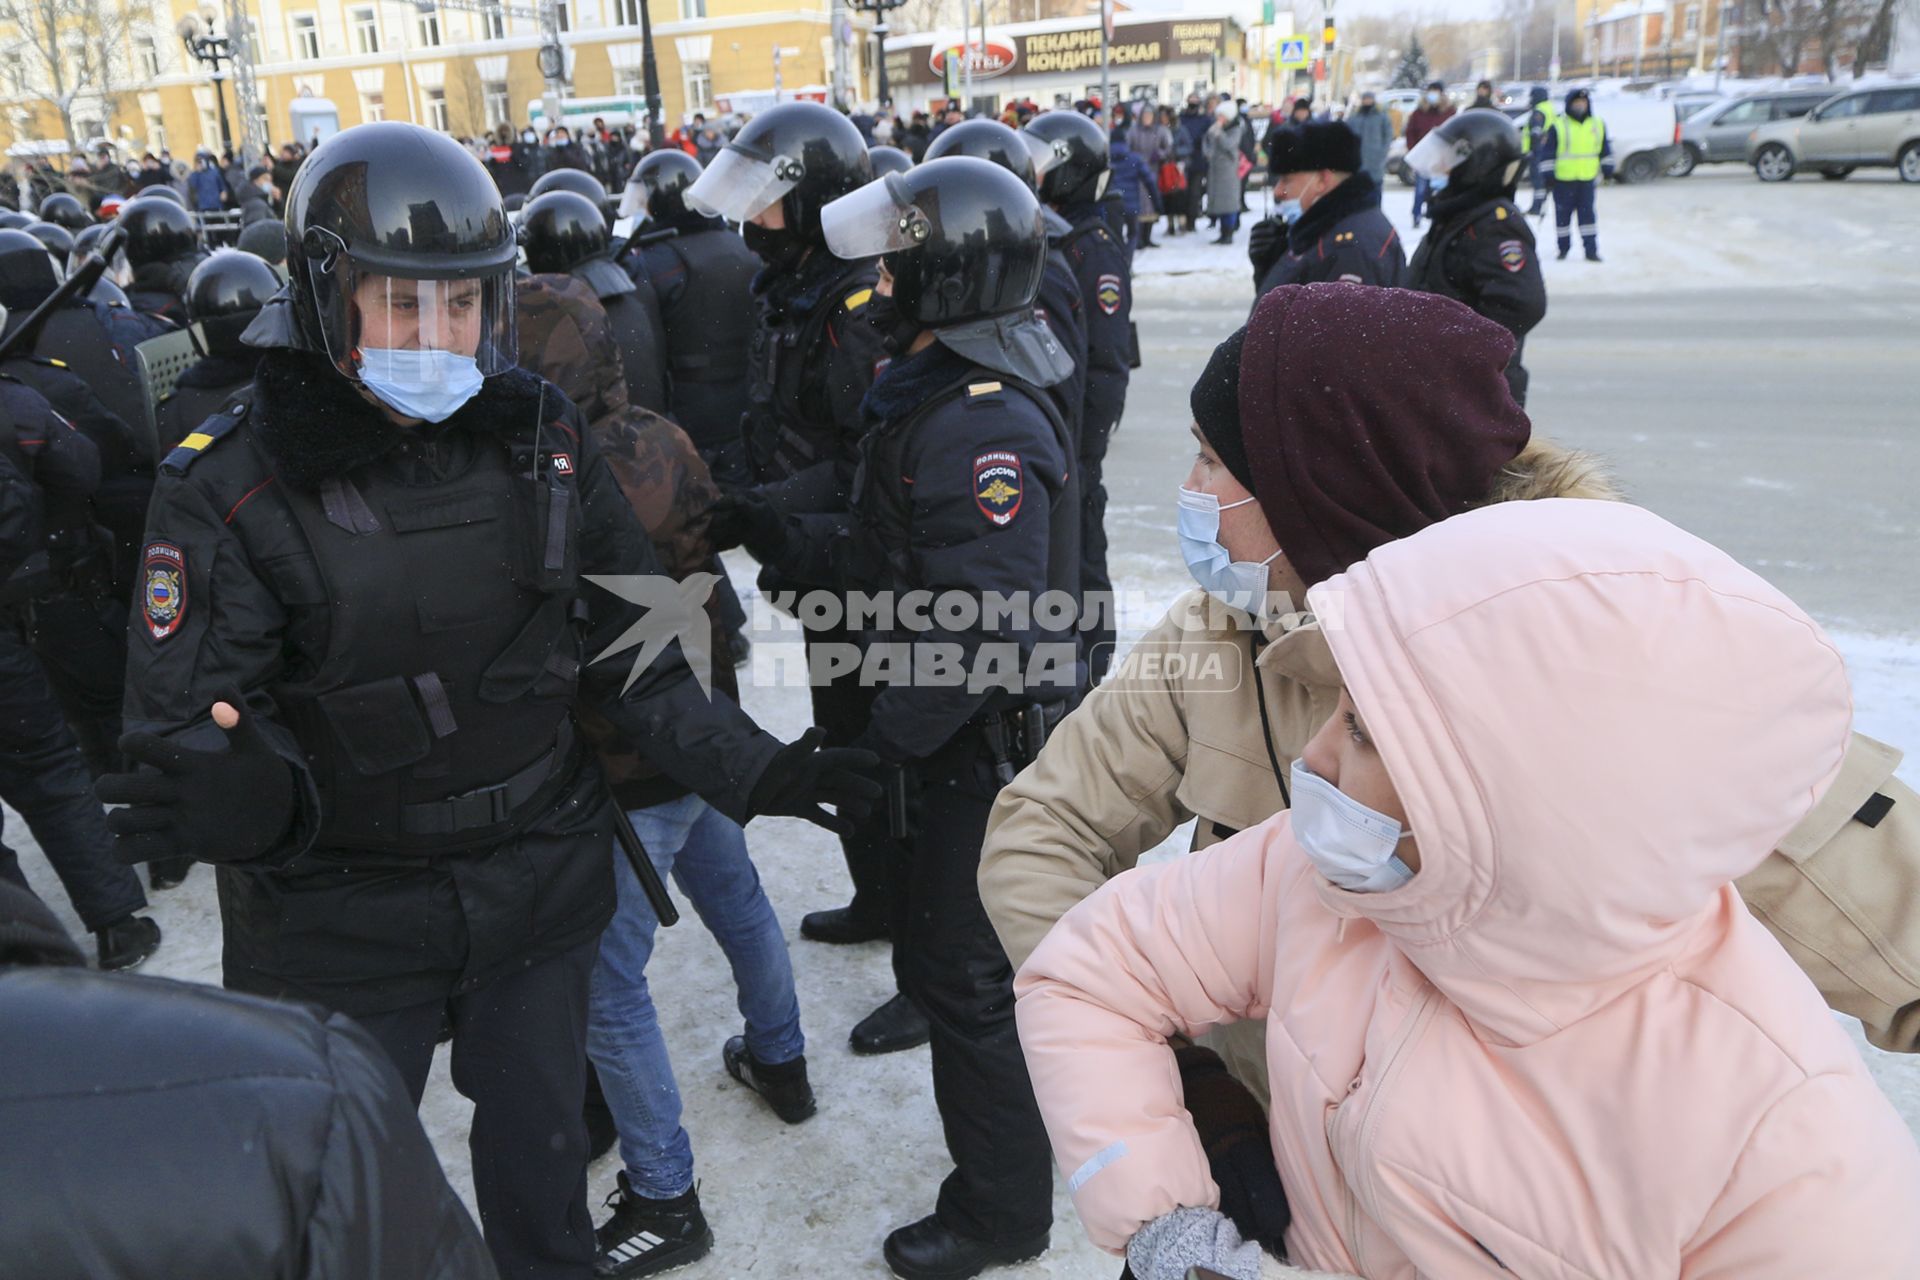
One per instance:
[(1343, 237), (1480, 251)]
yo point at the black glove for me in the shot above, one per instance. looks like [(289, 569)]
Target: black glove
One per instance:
[(1264, 244), (217, 806), (1233, 1129), (802, 776), (744, 518)]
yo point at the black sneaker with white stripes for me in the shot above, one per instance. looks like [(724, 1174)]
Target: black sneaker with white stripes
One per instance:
[(645, 1237)]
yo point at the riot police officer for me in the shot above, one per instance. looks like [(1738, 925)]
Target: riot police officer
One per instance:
[(224, 294), (57, 239), (162, 249), (363, 627), (1480, 249), (64, 210), (703, 275), (581, 183), (47, 471), (813, 356), (564, 234), (1073, 177), (963, 492), (887, 160), (1059, 302)]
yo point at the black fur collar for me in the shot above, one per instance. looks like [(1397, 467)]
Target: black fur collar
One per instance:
[(315, 426)]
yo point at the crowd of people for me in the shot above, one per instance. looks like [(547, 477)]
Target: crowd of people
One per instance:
[(1520, 888)]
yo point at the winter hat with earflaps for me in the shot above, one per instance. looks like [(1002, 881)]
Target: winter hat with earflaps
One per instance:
[(1362, 416)]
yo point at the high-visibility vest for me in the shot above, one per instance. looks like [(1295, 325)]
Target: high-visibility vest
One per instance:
[(1546, 110), (1577, 146)]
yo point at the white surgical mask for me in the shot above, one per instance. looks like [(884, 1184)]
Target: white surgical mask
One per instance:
[(1238, 584), (1348, 843), (420, 382)]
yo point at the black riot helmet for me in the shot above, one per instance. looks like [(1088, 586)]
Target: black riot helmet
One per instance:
[(580, 183), (27, 274), (224, 294), (886, 160), (14, 220), (994, 142), (1477, 152), (1073, 163), (164, 192), (387, 220), (560, 230), (84, 241), (266, 240), (58, 239), (64, 210), (157, 231), (962, 238), (800, 155), (657, 189)]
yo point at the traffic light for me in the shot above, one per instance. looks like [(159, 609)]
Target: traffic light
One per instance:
[(1326, 36)]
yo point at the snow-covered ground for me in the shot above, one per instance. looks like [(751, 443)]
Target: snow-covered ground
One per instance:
[(817, 1200)]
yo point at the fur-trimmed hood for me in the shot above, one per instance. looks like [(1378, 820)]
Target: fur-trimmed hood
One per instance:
[(1547, 470)]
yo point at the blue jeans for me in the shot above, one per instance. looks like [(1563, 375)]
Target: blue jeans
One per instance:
[(1420, 192), (706, 854)]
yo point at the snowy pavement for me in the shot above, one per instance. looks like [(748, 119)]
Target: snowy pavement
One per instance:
[(1687, 260)]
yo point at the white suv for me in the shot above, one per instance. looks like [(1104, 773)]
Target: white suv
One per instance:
[(1874, 126)]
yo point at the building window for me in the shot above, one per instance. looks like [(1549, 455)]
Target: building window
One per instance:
[(437, 109), (1693, 20), (630, 84), (499, 105), (156, 136), (626, 13), (209, 128), (16, 71), (699, 83), (690, 9), (561, 17), (366, 30), (496, 25), (430, 31), (148, 55), (373, 106), (306, 36)]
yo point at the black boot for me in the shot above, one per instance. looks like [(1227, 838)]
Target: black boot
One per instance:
[(645, 1237), (840, 926), (1565, 249), (926, 1250), (782, 1084), (898, 1024), (167, 873), (125, 943)]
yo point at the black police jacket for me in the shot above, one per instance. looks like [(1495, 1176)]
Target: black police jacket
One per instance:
[(1062, 308), (810, 361), (1099, 261), (203, 389), (75, 401), (405, 612), (51, 471), (963, 489), (1343, 237), (704, 280), (1480, 251), (160, 1130)]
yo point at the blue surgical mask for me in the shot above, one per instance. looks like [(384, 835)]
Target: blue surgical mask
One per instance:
[(1348, 843), (420, 383), (1290, 211), (1437, 184), (1238, 584)]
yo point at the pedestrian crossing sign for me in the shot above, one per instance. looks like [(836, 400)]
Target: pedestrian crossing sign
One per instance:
[(1291, 53)]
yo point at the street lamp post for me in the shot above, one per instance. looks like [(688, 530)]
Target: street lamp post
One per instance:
[(879, 9), (210, 49)]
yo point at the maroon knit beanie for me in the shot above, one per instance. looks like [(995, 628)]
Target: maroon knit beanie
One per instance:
[(1369, 414)]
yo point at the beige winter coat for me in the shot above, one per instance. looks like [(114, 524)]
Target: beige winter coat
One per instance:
[(1176, 734)]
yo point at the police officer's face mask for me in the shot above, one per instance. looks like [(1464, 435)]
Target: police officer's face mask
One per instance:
[(417, 343)]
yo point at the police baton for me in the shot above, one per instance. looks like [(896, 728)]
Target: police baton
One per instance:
[(81, 282), (643, 868)]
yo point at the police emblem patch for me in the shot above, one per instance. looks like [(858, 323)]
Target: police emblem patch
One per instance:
[(1513, 255), (563, 464), (997, 485), (1107, 291), (163, 588)]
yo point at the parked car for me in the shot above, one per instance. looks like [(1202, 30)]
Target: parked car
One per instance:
[(1721, 132), (1879, 125)]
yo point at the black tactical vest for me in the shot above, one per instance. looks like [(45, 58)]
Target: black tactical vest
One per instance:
[(642, 341), (783, 438), (709, 329), (435, 716)]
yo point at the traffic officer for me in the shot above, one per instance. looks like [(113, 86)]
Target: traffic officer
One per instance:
[(162, 249), (702, 273), (47, 471), (963, 495), (1073, 176), (224, 294), (564, 234), (1576, 153), (1479, 249), (362, 628), (813, 356), (1059, 302), (1533, 136), (1334, 229)]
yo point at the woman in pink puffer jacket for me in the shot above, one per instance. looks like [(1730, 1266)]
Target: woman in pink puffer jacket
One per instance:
[(1539, 1035)]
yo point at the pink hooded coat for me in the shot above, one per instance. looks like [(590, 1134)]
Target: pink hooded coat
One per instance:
[(1564, 1049)]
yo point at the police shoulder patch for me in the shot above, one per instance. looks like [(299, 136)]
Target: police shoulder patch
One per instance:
[(997, 486), (218, 427), (858, 299), (163, 588), (1513, 255), (1107, 293)]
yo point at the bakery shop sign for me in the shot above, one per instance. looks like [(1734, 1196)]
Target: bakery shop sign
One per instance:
[(1074, 51)]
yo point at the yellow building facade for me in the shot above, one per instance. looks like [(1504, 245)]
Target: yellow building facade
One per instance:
[(330, 64)]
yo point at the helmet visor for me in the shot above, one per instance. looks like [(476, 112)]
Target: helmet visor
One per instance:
[(363, 310), (878, 218), (633, 201), (739, 187), (1047, 155), (1435, 156)]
